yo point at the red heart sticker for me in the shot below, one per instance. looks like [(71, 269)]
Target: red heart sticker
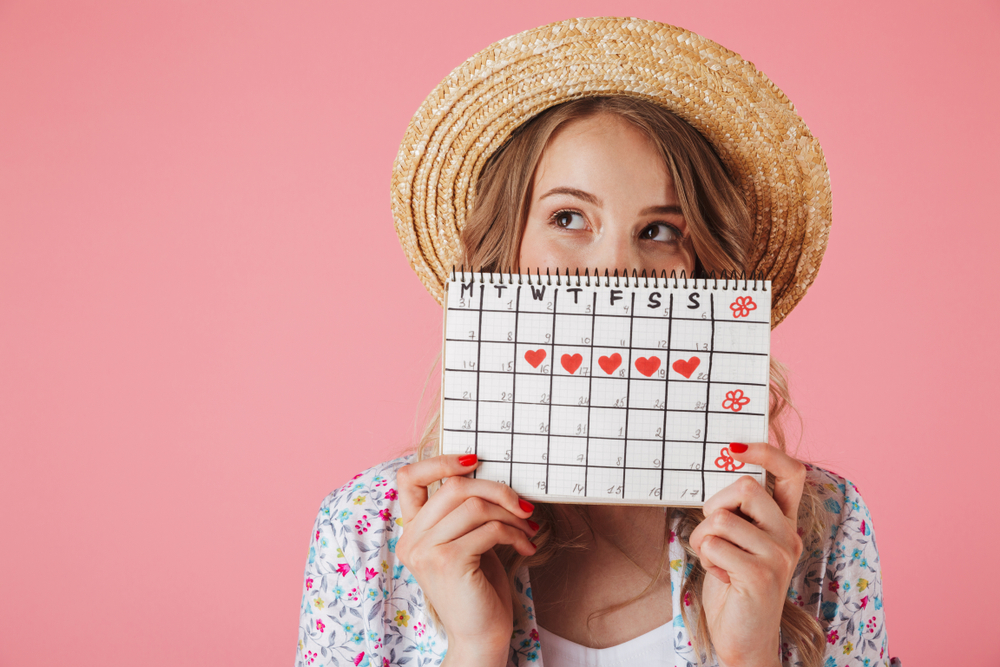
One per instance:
[(534, 357), (647, 366), (571, 362), (686, 368), (609, 364)]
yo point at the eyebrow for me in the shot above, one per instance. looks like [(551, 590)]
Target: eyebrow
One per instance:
[(591, 199)]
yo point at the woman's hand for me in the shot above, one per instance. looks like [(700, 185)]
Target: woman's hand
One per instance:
[(750, 556), (447, 544)]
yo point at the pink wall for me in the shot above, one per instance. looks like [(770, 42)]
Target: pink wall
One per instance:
[(201, 298)]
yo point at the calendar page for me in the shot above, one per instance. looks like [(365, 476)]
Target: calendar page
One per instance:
[(606, 390)]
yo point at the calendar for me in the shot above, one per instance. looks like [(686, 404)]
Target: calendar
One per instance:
[(624, 390)]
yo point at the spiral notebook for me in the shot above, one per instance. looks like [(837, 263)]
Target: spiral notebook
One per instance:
[(623, 390)]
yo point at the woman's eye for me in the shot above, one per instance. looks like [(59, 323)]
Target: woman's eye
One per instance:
[(569, 220), (660, 231)]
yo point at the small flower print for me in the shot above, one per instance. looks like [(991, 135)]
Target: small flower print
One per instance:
[(379, 480), (391, 494), (742, 306), (532, 655), (735, 400), (317, 534), (372, 594), (726, 461), (402, 618), (319, 603), (310, 657), (834, 586), (362, 525), (344, 516), (420, 628), (533, 634), (357, 638), (309, 584), (871, 625), (848, 647), (832, 637), (370, 573), (862, 584), (344, 569), (385, 515), (348, 628), (320, 625), (338, 591), (361, 660), (360, 500), (864, 602)]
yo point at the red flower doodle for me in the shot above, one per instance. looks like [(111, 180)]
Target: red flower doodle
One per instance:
[(735, 400), (742, 306), (726, 461)]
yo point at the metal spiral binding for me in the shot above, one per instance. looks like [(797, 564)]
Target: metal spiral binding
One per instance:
[(750, 283)]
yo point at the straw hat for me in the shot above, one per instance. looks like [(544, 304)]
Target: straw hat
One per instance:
[(754, 128)]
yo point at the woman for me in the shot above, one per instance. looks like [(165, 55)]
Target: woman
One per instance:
[(603, 178)]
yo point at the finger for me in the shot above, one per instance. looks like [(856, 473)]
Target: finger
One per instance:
[(727, 557), (492, 533), (472, 514), (747, 497), (459, 489), (413, 479), (789, 473), (737, 531)]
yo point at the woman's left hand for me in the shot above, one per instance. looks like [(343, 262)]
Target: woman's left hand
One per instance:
[(750, 561)]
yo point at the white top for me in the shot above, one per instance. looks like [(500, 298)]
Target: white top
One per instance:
[(653, 649)]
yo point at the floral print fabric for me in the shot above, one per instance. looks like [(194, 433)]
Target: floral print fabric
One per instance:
[(361, 607)]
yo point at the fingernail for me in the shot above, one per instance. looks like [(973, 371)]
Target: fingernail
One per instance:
[(737, 447), (525, 505), (468, 459), (532, 525)]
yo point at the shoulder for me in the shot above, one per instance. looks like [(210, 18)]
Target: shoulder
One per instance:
[(838, 502), (363, 514)]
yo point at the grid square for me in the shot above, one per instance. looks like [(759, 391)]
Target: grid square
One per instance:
[(462, 325), (493, 471), (691, 335), (461, 385), (494, 447), (606, 453), (607, 423), (570, 421), (530, 448), (606, 482), (647, 394), (612, 332), (645, 425), (533, 389), (571, 391), (644, 454), (567, 451), (687, 395), (642, 485), (534, 328), (496, 357), (498, 327), (609, 393), (528, 479), (498, 387), (567, 480), (650, 333), (459, 415), (495, 417), (685, 426), (458, 442), (531, 419)]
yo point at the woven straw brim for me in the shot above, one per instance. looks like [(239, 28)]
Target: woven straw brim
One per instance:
[(754, 128)]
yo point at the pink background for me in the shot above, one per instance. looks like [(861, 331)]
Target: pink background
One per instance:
[(206, 323)]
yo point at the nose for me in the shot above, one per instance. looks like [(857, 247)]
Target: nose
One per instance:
[(616, 249)]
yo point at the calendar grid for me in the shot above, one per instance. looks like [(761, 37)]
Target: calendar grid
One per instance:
[(590, 432)]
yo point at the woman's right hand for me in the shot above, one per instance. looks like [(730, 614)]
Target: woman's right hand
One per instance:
[(447, 543)]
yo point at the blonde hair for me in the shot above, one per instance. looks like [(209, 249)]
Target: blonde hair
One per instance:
[(720, 228)]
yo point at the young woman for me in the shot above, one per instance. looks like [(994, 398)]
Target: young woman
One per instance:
[(414, 561)]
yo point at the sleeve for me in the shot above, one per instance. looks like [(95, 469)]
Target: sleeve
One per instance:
[(844, 582), (337, 601)]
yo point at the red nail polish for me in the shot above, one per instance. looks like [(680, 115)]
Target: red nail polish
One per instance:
[(526, 506), (532, 524), (737, 447), (468, 459)]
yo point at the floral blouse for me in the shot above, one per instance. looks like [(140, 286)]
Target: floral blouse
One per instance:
[(361, 607)]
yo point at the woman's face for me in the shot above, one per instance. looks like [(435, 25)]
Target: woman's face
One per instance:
[(603, 198)]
